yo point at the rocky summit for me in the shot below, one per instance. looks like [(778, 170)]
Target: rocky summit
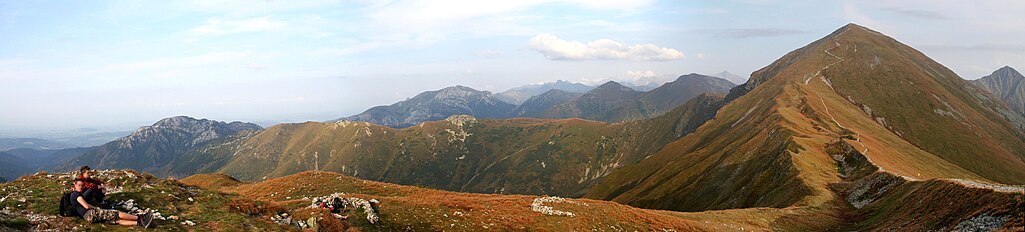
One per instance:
[(435, 105), (152, 147), (1006, 84)]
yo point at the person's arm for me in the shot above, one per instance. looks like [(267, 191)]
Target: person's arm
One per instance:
[(81, 201), (100, 183)]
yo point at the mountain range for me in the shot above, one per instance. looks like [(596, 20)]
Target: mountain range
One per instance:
[(518, 95), (854, 131), (461, 153), (609, 102), (613, 102), (1006, 84)]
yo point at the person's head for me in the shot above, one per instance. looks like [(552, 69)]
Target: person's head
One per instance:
[(79, 185), (84, 172)]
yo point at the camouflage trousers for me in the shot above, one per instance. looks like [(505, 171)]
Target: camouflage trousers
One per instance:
[(101, 215)]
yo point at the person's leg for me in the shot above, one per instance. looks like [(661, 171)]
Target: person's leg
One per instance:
[(93, 196), (104, 215), (127, 222), (126, 216)]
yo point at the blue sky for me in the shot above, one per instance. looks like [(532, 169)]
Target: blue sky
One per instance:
[(122, 64)]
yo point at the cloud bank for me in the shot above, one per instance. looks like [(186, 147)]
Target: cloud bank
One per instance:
[(554, 48)]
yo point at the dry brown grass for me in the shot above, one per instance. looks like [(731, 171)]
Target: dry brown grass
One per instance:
[(411, 207), (212, 181)]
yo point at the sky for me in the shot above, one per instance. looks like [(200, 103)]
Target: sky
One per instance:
[(118, 65)]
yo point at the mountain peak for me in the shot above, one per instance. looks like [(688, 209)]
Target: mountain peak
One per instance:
[(459, 88), (854, 30), (176, 121), (613, 85), (1007, 71)]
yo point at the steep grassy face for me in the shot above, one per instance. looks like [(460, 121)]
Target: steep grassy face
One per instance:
[(740, 158), (208, 158), (767, 147), (909, 94)]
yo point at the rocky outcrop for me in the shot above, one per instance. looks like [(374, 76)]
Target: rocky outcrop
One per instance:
[(1007, 85), (151, 147), (435, 105)]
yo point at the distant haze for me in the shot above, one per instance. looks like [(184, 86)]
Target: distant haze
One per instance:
[(117, 65)]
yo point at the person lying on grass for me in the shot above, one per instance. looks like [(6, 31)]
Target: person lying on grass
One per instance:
[(95, 214)]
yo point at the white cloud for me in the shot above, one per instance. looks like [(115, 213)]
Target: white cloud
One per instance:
[(646, 77), (603, 49), (639, 74), (218, 26)]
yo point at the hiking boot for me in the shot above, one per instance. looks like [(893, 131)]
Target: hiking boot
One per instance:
[(145, 220)]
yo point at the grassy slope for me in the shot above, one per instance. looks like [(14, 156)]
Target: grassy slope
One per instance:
[(212, 181), (909, 94), (209, 209), (767, 148), (527, 156), (414, 208)]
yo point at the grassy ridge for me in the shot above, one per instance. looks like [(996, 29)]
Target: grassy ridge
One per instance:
[(560, 157)]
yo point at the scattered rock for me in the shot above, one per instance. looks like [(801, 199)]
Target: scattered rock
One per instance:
[(359, 203), (983, 222), (538, 206)]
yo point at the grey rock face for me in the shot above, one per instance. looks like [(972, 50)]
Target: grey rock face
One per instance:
[(436, 105), (151, 147), (1007, 85)]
